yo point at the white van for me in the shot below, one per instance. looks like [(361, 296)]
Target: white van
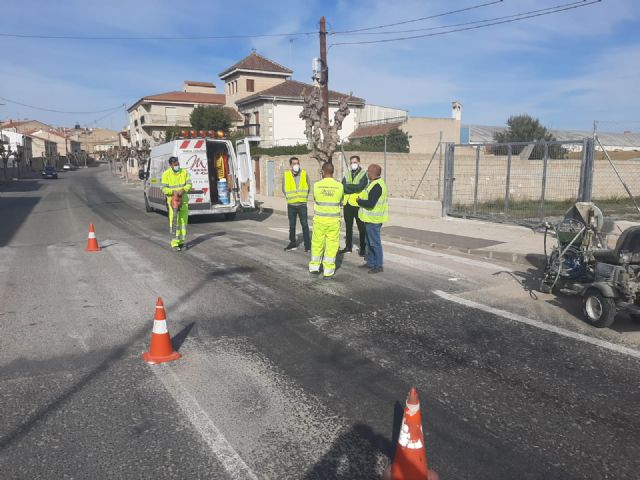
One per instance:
[(223, 180)]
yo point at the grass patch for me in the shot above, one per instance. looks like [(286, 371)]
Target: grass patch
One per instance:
[(615, 207)]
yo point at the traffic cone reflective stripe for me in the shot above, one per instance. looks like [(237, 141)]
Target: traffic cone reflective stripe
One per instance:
[(410, 460), (161, 349), (92, 241)]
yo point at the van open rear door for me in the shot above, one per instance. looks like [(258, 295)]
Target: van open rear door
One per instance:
[(246, 177)]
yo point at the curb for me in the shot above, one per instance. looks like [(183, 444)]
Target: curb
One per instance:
[(508, 257), (536, 261)]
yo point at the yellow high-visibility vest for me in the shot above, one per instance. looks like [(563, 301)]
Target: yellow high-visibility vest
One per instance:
[(380, 212), (352, 198), (327, 194), (294, 194), (172, 181)]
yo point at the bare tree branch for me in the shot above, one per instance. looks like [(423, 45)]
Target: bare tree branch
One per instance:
[(323, 142)]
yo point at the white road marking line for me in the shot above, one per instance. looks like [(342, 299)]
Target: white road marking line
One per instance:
[(422, 265), (542, 326), (221, 448), (453, 258), (429, 253)]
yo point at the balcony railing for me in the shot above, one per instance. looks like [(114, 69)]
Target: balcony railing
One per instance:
[(249, 129), (164, 120)]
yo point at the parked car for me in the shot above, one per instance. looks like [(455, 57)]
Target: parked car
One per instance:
[(68, 167), (49, 171)]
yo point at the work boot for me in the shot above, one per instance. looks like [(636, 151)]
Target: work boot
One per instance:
[(291, 246), (175, 249), (376, 270), (345, 250)]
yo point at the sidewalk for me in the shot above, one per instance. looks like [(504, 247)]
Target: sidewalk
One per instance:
[(502, 242)]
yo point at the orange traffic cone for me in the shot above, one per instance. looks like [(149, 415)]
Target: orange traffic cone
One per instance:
[(161, 349), (410, 461), (92, 242)]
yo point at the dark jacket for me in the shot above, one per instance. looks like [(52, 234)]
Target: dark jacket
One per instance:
[(354, 188), (372, 199)]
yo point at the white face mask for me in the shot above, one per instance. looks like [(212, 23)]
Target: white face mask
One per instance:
[(296, 168), (355, 166), (176, 168)]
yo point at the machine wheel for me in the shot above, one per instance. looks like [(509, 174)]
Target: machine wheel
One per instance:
[(230, 216), (147, 207), (600, 311)]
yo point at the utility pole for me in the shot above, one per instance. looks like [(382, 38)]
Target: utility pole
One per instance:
[(324, 76)]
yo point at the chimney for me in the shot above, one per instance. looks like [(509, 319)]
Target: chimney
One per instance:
[(456, 110), (198, 87)]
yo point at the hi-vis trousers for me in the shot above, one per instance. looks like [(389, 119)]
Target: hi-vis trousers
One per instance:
[(324, 246), (178, 223)]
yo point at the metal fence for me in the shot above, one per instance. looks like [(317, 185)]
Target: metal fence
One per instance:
[(616, 182), (525, 183)]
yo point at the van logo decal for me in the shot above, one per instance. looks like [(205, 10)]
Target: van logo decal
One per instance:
[(196, 165)]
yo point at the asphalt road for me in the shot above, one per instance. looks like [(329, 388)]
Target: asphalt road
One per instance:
[(285, 375)]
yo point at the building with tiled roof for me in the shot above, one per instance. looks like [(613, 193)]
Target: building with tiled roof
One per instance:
[(252, 74), (150, 116), (376, 130), (256, 63), (260, 96), (274, 113)]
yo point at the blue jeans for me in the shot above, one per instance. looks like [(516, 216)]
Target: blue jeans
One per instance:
[(298, 210), (374, 244)]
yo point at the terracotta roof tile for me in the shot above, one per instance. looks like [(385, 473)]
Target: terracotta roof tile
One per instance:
[(295, 90), (199, 84), (374, 130), (256, 62)]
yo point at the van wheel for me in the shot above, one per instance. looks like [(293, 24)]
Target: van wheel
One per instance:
[(147, 207), (230, 216), (600, 311)]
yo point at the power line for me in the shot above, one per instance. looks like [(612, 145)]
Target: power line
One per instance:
[(572, 6), (61, 111), (153, 37), (474, 22), (473, 7), (230, 37)]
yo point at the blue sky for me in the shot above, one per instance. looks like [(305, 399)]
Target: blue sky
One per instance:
[(567, 69)]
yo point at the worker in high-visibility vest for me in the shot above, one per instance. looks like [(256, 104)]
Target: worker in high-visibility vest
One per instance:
[(327, 194), (374, 211), (354, 181), (295, 186), (175, 184)]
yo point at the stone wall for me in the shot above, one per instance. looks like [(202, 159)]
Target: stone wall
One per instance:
[(404, 171)]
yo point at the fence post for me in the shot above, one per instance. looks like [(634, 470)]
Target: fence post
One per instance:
[(447, 193), (544, 179), (440, 167), (475, 185), (384, 176), (507, 187), (585, 191)]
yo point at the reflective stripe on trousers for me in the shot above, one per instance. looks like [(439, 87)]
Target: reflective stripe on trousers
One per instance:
[(178, 224), (324, 247)]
